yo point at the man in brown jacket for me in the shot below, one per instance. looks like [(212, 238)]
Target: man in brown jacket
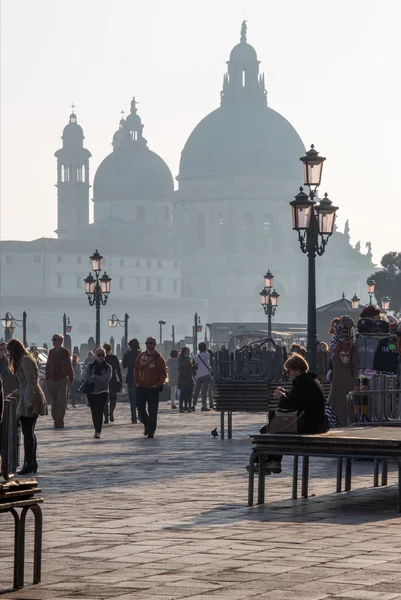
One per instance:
[(58, 372), (150, 373)]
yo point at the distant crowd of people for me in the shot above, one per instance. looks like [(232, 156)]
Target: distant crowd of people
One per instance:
[(100, 379)]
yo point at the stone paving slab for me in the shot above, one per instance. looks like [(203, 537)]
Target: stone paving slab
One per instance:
[(127, 517)]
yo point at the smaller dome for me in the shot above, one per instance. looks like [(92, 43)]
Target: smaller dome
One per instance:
[(243, 52), (133, 122), (73, 134)]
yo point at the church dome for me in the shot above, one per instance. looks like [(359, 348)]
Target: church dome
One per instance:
[(243, 51), (128, 174), (131, 171), (243, 137), (242, 141), (73, 133)]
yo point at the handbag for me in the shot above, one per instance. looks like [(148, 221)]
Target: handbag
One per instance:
[(287, 421), (85, 387)]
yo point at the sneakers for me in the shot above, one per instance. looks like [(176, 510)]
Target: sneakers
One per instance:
[(205, 409), (97, 435), (134, 421), (151, 435), (273, 466), (173, 406), (182, 410)]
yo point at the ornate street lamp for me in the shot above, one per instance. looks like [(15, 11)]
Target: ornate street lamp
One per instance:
[(314, 223), (97, 289), (196, 328), (9, 323), (67, 327), (114, 321), (385, 302), (371, 283), (269, 301), (161, 323), (355, 302)]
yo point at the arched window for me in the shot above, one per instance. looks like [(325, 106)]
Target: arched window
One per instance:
[(63, 173), (249, 229), (268, 230), (79, 174), (200, 231), (243, 78)]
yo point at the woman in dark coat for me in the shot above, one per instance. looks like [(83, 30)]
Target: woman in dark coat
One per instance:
[(307, 396), (185, 380)]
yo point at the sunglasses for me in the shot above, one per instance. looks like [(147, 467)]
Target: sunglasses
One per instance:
[(55, 339), (101, 355), (150, 343)]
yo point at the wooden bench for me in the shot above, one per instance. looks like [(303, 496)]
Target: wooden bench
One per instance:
[(245, 395), (18, 495), (379, 444)]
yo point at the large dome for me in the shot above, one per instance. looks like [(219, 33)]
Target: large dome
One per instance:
[(242, 140), (132, 173)]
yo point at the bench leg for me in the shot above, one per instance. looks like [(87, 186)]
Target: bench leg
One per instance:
[(251, 478), (384, 471), (305, 476), (348, 473), (230, 425), (18, 563), (295, 478), (222, 425), (339, 475), (37, 557), (376, 473), (399, 487), (261, 479)]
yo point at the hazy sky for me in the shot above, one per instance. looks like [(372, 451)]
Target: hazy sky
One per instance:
[(332, 69)]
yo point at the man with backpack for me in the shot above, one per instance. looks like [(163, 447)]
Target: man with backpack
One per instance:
[(203, 372), (150, 373)]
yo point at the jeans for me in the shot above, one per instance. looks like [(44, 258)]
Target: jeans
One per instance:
[(132, 400), (73, 392), (97, 403), (113, 402), (149, 396), (57, 391), (30, 444), (202, 385), (173, 393)]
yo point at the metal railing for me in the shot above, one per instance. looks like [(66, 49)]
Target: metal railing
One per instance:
[(379, 404), (9, 439)]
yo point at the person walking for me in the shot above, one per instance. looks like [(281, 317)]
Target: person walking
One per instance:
[(98, 373), (129, 359), (58, 372), (116, 382), (89, 359), (172, 369), (150, 373), (185, 380), (31, 401), (76, 367), (202, 370), (8, 378)]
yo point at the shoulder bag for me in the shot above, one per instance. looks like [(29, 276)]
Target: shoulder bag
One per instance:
[(287, 421), (160, 388)]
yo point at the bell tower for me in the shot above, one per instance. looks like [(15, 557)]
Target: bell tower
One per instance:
[(72, 181)]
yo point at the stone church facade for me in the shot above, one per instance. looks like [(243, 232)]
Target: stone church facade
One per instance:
[(203, 247)]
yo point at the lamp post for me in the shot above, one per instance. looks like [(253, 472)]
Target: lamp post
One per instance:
[(269, 301), (371, 283), (355, 302), (114, 321), (314, 223), (161, 323), (9, 323), (67, 327), (385, 302), (97, 289), (173, 336), (197, 328)]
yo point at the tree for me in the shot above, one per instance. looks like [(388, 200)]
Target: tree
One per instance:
[(388, 281)]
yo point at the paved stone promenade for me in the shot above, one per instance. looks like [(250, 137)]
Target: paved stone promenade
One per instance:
[(130, 517)]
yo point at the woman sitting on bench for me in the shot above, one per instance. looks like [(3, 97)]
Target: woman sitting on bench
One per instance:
[(307, 396)]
